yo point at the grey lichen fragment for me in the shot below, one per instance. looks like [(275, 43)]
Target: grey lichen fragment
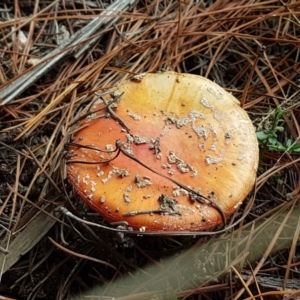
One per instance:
[(116, 94), (136, 139), (197, 196), (212, 129), (215, 160), (70, 154), (138, 77), (142, 181), (243, 154), (216, 92), (238, 205), (192, 118), (158, 155), (166, 166), (181, 165), (99, 172), (214, 146), (86, 178), (206, 103), (193, 115), (178, 122), (221, 116), (196, 115), (169, 168), (170, 171), (93, 186), (185, 168), (90, 196), (156, 147), (109, 147), (168, 205), (128, 148), (200, 131), (102, 199), (228, 138), (201, 146), (178, 191), (184, 192), (173, 159), (126, 194), (109, 176), (194, 171), (142, 229), (134, 116), (120, 172), (164, 131)]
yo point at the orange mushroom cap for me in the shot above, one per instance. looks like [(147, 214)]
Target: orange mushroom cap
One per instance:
[(164, 152)]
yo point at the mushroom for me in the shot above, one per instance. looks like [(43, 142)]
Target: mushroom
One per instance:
[(164, 152)]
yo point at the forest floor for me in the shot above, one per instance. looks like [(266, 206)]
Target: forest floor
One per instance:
[(250, 48)]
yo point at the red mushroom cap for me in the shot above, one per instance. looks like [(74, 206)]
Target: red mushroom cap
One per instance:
[(186, 151)]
